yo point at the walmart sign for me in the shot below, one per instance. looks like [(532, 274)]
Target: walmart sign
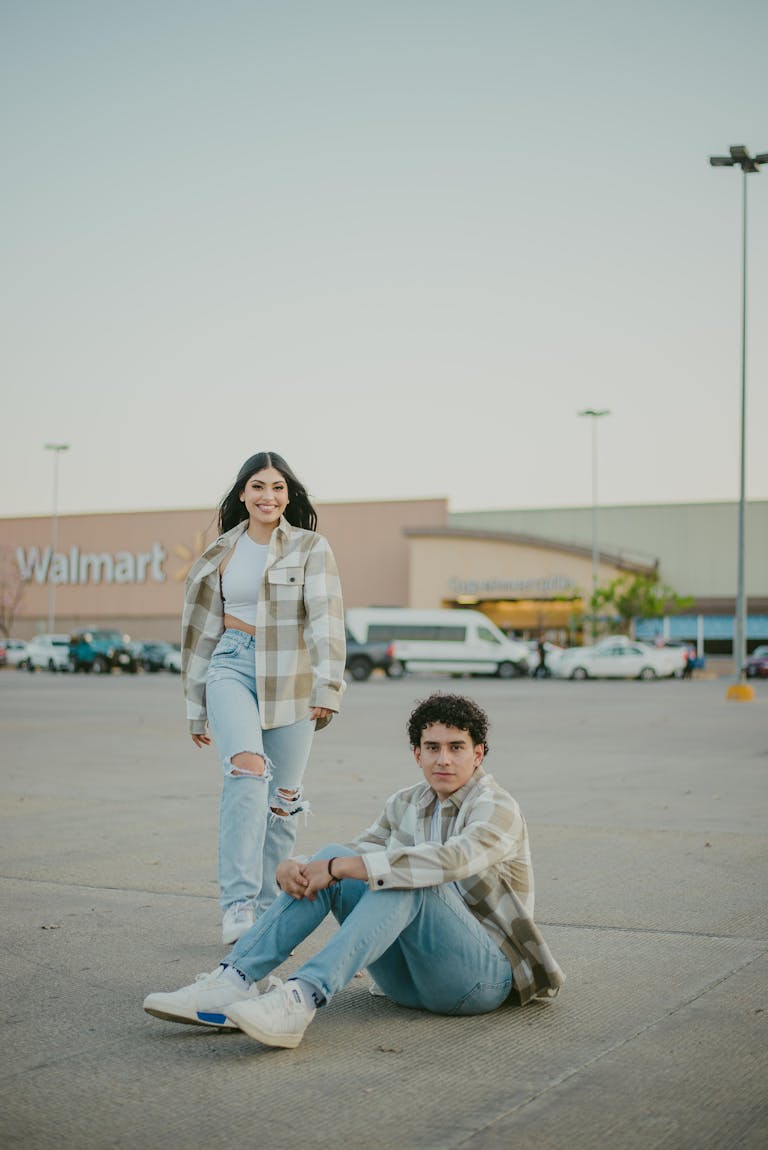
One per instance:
[(74, 567)]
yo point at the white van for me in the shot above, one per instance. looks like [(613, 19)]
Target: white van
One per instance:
[(454, 642)]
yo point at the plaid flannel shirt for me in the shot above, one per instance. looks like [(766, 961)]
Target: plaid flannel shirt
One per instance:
[(300, 645), (483, 850)]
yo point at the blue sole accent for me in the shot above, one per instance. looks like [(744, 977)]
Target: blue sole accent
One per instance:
[(214, 1019)]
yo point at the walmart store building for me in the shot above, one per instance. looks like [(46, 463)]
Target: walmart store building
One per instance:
[(529, 570)]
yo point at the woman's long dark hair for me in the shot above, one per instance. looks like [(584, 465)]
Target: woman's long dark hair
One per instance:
[(299, 512)]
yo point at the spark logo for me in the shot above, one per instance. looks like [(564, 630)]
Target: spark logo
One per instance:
[(188, 555)]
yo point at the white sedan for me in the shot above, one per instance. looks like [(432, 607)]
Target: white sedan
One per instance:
[(13, 652), (618, 660)]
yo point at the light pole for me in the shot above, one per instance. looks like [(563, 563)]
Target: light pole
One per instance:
[(741, 157), (57, 449), (594, 415)]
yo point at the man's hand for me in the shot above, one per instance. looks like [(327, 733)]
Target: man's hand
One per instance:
[(290, 878), (344, 866), (318, 877)]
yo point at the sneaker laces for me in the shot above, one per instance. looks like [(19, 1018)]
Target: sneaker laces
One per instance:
[(284, 999)]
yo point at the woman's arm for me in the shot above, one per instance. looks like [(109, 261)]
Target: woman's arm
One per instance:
[(201, 626)]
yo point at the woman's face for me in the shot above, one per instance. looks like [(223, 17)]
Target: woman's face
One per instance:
[(265, 496)]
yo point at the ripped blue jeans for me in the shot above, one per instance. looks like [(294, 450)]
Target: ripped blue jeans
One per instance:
[(423, 946), (253, 838)]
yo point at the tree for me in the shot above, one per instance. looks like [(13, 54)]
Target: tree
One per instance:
[(638, 597), (12, 588)]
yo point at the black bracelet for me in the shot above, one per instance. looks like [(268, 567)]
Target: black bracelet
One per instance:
[(334, 878)]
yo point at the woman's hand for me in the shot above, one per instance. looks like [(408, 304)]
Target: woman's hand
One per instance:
[(290, 878), (201, 740), (320, 713)]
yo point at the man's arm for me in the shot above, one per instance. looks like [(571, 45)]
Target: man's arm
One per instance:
[(494, 831)]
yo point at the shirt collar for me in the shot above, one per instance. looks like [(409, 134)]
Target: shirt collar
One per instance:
[(209, 560), (428, 796)]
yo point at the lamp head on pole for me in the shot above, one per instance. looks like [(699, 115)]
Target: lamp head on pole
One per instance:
[(739, 156)]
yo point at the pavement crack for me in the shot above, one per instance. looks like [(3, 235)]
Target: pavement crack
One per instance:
[(101, 886), (654, 930), (618, 1045)]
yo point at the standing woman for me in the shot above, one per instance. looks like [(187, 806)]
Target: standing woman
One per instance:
[(263, 662)]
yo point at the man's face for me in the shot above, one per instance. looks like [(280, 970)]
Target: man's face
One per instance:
[(447, 758)]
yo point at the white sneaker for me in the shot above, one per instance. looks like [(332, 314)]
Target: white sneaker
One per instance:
[(277, 1018), (238, 920), (203, 1002)]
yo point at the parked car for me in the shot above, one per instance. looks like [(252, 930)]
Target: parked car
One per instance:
[(756, 665), (173, 660), (101, 652), (678, 651), (12, 652), (50, 652), (364, 658), (619, 659), (152, 655)]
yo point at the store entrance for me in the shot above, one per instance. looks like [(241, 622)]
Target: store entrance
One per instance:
[(558, 620)]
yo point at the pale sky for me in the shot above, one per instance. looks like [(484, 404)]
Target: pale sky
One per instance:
[(401, 242)]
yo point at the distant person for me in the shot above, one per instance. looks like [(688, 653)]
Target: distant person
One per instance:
[(690, 662), (542, 670), (435, 898), (262, 662)]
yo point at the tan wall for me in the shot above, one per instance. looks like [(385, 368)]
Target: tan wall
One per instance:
[(371, 549), (445, 568), (367, 539)]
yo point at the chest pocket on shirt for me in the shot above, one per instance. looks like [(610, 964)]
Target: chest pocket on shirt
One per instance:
[(286, 592)]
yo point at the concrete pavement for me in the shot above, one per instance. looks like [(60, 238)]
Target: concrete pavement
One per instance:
[(646, 804)]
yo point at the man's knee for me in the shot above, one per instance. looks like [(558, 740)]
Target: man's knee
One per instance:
[(332, 850)]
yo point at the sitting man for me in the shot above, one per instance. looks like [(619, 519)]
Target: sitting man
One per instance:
[(442, 892)]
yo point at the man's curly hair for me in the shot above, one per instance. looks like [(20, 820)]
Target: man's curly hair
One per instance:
[(452, 711)]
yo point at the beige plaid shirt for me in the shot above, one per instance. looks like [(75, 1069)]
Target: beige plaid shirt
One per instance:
[(300, 647), (483, 850)]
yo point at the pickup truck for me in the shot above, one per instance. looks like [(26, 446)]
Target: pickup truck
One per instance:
[(101, 652)]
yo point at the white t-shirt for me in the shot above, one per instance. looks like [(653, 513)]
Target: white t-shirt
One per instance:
[(242, 578)]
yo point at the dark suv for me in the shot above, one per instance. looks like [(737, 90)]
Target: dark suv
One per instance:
[(152, 654), (101, 652), (364, 658)]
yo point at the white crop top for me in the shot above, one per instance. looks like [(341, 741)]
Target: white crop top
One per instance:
[(242, 578)]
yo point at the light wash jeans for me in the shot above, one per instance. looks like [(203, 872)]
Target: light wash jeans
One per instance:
[(423, 947), (252, 839)]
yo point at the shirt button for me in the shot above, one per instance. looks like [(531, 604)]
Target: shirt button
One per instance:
[(380, 882)]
